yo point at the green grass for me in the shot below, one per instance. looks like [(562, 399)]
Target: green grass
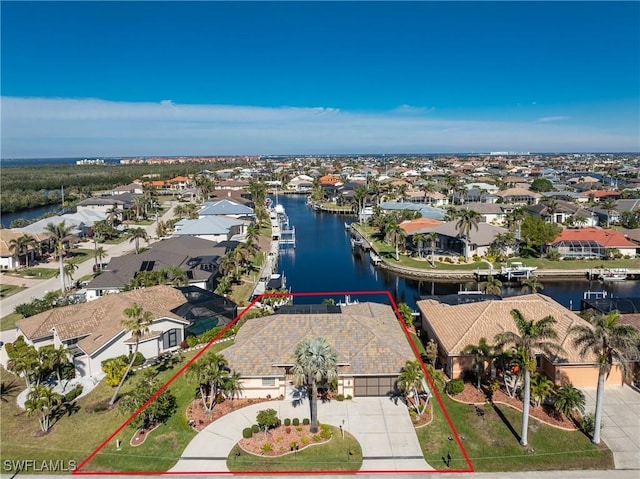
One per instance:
[(418, 343), (332, 456), (8, 322), (7, 290), (39, 273), (77, 435), (492, 442), (544, 263), (80, 255)]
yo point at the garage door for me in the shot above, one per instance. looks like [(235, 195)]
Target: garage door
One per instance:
[(373, 386)]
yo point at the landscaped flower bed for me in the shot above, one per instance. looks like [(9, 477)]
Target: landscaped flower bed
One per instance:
[(199, 418), (284, 440)]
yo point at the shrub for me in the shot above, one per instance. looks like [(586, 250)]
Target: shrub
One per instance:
[(288, 430), (298, 428), (306, 421), (316, 438), (588, 424), (139, 361), (247, 432), (296, 421), (325, 432), (184, 344), (266, 447), (255, 428), (192, 341), (304, 439), (287, 422), (11, 351), (293, 445), (340, 397), (455, 386), (349, 397), (268, 419), (74, 393)]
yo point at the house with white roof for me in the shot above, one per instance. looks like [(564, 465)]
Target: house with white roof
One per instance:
[(212, 228)]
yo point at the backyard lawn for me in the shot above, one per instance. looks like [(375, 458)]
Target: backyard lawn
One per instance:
[(492, 442)]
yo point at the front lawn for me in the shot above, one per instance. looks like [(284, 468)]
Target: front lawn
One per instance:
[(9, 321), (38, 273), (492, 442), (79, 433), (7, 290), (336, 455)]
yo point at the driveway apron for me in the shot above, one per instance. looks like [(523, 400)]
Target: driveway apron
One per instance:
[(383, 429)]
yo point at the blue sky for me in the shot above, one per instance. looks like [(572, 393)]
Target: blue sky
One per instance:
[(204, 78)]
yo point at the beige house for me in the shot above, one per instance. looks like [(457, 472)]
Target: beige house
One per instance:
[(368, 338), (454, 327), (93, 331)]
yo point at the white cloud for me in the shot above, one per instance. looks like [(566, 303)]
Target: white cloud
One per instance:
[(62, 127), (548, 119)]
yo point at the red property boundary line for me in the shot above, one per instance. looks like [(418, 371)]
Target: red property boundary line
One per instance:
[(79, 470)]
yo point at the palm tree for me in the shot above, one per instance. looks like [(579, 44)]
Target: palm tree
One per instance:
[(481, 353), (410, 381), (467, 220), (514, 220), (212, 373), (314, 361), (100, 254), (609, 205), (57, 359), (541, 387), (552, 207), (432, 238), (531, 335), (609, 341), (493, 285), (427, 188), (419, 239), (568, 399), (531, 284), (177, 276), (395, 234), (42, 400), (21, 245), (60, 234), (579, 221), (360, 197), (137, 322), (69, 269), (136, 234)]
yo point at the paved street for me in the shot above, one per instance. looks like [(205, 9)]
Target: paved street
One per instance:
[(37, 289)]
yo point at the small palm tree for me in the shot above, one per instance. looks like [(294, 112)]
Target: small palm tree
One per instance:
[(492, 286), (531, 285), (541, 387), (481, 353), (432, 238), (100, 254), (467, 220), (135, 235), (419, 240), (20, 246), (610, 342), (410, 381), (609, 205), (568, 399), (137, 322), (44, 402), (531, 335), (314, 361), (396, 235)]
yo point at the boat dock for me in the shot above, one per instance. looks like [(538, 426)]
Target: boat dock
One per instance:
[(357, 239)]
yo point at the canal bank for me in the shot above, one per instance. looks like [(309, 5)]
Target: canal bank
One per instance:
[(324, 261)]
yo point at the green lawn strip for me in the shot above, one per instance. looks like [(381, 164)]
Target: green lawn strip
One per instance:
[(492, 445), (8, 322), (77, 256), (7, 290), (544, 263), (418, 343), (38, 273), (77, 435), (118, 240), (331, 456)]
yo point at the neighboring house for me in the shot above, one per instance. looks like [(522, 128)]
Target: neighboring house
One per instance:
[(419, 225), (330, 180), (563, 214), (121, 201), (197, 257), (592, 243), (9, 259), (225, 207), (519, 196), (131, 188), (211, 228), (179, 183), (601, 195), (567, 196), (493, 213), (424, 210), (368, 338), (486, 319), (81, 221), (232, 185), (93, 331), (301, 184), (450, 242)]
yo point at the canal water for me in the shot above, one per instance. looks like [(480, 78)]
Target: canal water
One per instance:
[(323, 261), (31, 214)]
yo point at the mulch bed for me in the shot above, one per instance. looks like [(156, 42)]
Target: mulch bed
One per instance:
[(199, 418), (281, 440), (419, 421), (544, 413), (141, 435)]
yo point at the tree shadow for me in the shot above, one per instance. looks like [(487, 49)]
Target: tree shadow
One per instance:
[(8, 390), (505, 421)]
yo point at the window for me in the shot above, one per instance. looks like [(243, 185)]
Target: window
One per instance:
[(268, 382), (171, 339)]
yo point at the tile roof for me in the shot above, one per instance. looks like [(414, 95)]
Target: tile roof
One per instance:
[(99, 321), (517, 192), (411, 226), (608, 238), (367, 337), (7, 235), (459, 325)]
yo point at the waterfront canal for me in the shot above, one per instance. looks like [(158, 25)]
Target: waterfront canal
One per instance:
[(323, 261)]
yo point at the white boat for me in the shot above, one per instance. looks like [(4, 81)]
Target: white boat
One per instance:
[(618, 274), (516, 269)]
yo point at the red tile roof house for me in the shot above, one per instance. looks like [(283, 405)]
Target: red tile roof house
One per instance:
[(592, 243)]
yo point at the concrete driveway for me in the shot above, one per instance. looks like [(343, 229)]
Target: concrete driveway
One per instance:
[(383, 429), (621, 423)]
